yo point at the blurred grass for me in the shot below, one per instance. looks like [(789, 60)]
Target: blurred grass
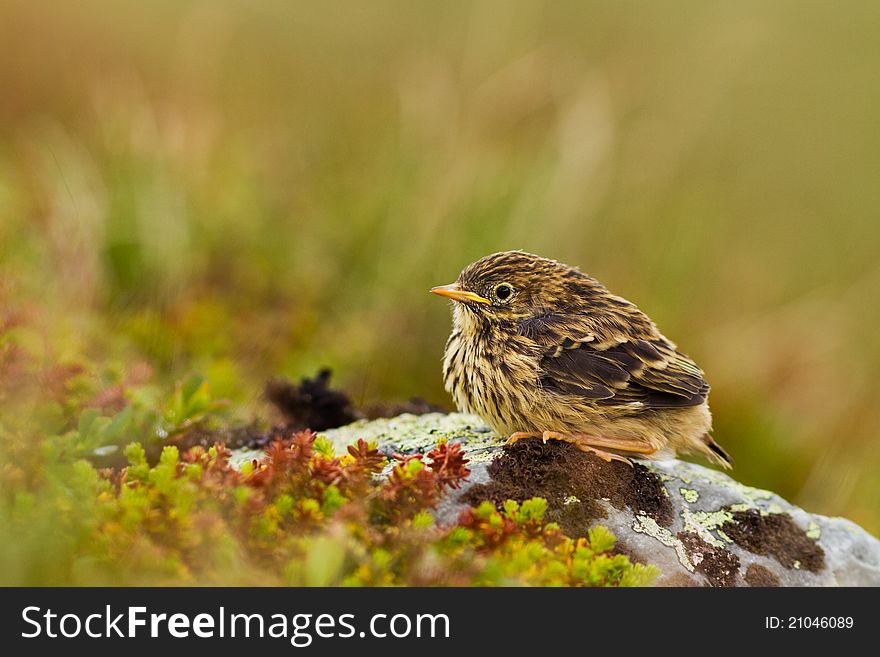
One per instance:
[(250, 189)]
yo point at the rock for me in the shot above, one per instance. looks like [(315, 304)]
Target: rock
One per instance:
[(698, 525)]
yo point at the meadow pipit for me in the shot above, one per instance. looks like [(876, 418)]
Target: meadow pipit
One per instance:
[(539, 349)]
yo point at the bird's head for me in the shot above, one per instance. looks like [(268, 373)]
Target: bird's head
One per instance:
[(511, 286)]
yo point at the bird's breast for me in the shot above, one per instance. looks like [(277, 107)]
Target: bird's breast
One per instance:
[(490, 377)]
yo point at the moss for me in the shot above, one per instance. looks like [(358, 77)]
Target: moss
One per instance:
[(589, 560), (759, 576), (311, 404), (562, 473), (778, 536), (717, 564)]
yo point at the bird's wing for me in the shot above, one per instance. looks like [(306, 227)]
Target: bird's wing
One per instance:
[(614, 361)]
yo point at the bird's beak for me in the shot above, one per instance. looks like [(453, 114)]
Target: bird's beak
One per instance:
[(457, 294)]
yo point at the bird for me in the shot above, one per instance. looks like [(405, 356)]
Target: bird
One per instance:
[(539, 349)]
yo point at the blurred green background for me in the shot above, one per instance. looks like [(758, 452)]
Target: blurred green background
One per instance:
[(247, 189)]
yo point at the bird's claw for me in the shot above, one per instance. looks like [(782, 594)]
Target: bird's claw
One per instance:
[(553, 435), (519, 435), (582, 444), (578, 440)]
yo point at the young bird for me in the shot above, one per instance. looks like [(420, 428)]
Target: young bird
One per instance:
[(539, 349)]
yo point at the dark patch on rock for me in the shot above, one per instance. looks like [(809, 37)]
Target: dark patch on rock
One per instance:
[(559, 472), (311, 404), (415, 406), (759, 576), (775, 535), (574, 517), (681, 580), (718, 565)]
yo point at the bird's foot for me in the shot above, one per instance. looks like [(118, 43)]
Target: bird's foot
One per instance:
[(519, 435), (582, 442)]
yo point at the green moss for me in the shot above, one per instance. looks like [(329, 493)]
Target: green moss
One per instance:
[(526, 549)]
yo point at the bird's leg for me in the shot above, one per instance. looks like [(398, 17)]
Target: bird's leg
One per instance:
[(519, 435), (587, 443)]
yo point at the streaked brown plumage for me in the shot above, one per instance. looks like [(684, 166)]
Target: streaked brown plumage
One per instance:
[(540, 349)]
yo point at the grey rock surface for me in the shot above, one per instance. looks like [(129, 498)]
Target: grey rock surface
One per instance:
[(698, 525)]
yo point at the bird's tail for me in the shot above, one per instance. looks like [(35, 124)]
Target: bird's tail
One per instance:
[(715, 453)]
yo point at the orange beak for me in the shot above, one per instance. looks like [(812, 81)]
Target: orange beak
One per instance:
[(457, 294)]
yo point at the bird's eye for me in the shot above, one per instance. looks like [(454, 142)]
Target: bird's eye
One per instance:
[(503, 292)]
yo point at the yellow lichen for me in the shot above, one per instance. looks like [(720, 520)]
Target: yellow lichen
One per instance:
[(690, 495)]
